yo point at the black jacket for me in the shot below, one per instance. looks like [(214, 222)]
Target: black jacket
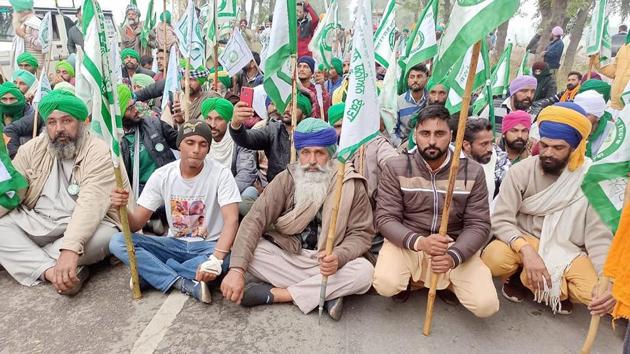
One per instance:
[(150, 92), (75, 38), (153, 131), (546, 85), (21, 131), (273, 139)]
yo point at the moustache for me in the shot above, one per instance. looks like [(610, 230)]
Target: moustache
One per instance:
[(308, 167)]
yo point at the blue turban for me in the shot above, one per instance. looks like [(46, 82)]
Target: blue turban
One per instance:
[(314, 132), (560, 129)]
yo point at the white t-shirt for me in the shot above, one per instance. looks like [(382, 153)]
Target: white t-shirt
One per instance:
[(193, 206)]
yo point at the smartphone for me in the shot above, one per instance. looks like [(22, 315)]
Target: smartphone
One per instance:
[(247, 96)]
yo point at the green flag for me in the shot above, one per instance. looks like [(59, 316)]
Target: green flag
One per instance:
[(191, 43), (457, 80), (148, 25), (322, 42), (282, 45), (524, 68), (385, 35), (94, 84), (594, 40), (501, 73), (11, 181), (470, 22)]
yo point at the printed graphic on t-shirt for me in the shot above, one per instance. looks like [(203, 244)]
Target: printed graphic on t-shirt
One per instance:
[(188, 215)]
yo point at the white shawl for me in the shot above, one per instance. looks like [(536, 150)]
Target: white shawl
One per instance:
[(562, 205), (222, 151)]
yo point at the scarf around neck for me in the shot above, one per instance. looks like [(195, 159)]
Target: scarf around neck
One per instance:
[(222, 151)]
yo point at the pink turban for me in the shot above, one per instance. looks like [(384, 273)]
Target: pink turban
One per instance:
[(515, 118), (557, 31)]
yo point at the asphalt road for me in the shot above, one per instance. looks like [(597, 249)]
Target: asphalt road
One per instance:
[(104, 319)]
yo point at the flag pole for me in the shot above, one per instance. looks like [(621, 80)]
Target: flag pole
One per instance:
[(602, 286), (332, 228), (187, 78), (591, 63), (215, 83), (165, 41), (452, 176), (293, 105)]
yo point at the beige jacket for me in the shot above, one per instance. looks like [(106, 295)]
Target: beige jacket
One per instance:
[(354, 231), (93, 172)]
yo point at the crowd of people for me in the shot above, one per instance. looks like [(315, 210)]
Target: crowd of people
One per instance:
[(216, 201)]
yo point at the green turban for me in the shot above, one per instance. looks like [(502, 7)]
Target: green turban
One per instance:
[(142, 80), (124, 97), (64, 86), (63, 101), (335, 113), (303, 103), (67, 66), (21, 5), (321, 67), (596, 85), (128, 52), (338, 65), (28, 58), (220, 105), (224, 77), (315, 132), (26, 76), (433, 82), (166, 17), (15, 109)]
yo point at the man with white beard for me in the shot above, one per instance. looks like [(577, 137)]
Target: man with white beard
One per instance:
[(282, 239)]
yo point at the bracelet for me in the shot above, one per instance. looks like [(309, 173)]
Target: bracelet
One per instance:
[(222, 251)]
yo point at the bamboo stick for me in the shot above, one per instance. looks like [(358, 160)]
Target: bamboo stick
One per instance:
[(602, 286), (293, 105)]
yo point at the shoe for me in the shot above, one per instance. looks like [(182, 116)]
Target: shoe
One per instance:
[(566, 307), (256, 294), (448, 297), (197, 289), (513, 289), (334, 308), (143, 284), (402, 296), (83, 273)]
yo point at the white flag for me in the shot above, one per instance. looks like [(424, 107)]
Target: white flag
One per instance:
[(46, 33), (188, 31), (388, 99), (236, 54), (361, 121), (385, 35), (172, 77)]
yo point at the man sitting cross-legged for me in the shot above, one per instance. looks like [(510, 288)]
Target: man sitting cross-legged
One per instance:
[(201, 201), (281, 240)]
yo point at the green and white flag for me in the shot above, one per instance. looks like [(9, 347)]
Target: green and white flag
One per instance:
[(191, 43), (236, 54), (360, 123), (388, 99), (605, 53), (501, 73), (94, 83), (524, 68), (605, 181), (282, 45), (11, 181), (227, 9), (322, 42), (422, 44), (457, 81), (470, 22), (594, 40), (385, 36), (46, 32)]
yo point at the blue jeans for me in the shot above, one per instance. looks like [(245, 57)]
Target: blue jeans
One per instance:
[(162, 260)]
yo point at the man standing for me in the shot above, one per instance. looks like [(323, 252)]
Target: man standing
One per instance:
[(515, 138), (201, 202), (411, 102), (75, 37), (250, 37), (131, 29), (619, 71), (543, 222), (156, 35), (307, 23), (242, 162), (306, 69), (409, 204), (478, 145), (274, 138), (26, 26), (619, 39), (335, 77), (64, 222), (289, 255), (553, 51)]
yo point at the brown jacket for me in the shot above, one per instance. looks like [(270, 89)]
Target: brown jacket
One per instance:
[(93, 173), (411, 197), (354, 224)]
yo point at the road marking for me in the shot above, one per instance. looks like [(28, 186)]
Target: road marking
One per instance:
[(153, 334)]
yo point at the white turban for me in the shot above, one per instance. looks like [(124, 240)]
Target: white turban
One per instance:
[(592, 102)]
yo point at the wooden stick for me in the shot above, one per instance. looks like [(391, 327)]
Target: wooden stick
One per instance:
[(215, 84), (602, 286), (332, 228), (591, 62), (452, 177), (293, 105), (131, 251)]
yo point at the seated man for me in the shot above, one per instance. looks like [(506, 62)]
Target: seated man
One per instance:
[(543, 222), (408, 213), (217, 112), (64, 72), (27, 61), (64, 221), (201, 201), (15, 113), (515, 138), (282, 239), (593, 103), (478, 146)]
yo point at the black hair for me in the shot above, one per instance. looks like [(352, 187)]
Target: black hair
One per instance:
[(146, 59), (474, 126), (433, 112), (578, 74), (420, 67), (256, 57), (623, 28)]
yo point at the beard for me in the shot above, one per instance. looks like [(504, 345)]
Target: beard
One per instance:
[(131, 66), (311, 188), (523, 105), (571, 86), (67, 150), (416, 87), (553, 166), (132, 21), (482, 159), (432, 153), (517, 144)]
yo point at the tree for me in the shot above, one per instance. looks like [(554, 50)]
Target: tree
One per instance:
[(501, 36), (576, 31), (556, 10)]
